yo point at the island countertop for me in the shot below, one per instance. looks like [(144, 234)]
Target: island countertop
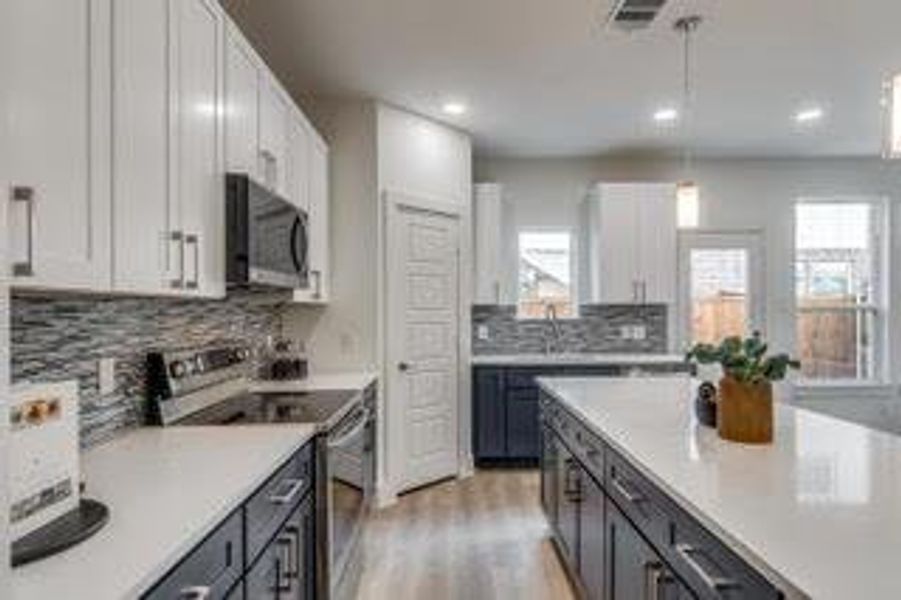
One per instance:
[(166, 489), (819, 509)]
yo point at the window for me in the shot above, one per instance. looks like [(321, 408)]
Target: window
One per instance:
[(838, 288), (545, 274), (721, 278)]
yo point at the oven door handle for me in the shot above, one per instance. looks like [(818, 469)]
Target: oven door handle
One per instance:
[(351, 431)]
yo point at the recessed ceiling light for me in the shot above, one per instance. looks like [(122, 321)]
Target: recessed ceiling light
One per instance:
[(809, 115), (666, 115), (454, 108)]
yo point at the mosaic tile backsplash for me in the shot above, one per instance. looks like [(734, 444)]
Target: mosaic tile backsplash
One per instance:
[(56, 337), (596, 330)]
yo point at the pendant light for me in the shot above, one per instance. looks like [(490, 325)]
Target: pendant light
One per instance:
[(688, 195)]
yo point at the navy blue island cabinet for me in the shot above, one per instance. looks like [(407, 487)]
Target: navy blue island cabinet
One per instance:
[(505, 407)]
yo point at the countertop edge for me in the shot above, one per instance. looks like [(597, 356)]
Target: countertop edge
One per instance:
[(791, 590)]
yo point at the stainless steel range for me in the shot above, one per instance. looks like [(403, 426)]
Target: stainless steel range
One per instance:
[(212, 386)]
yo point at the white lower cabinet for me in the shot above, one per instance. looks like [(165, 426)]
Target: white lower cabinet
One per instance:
[(57, 141), (169, 220)]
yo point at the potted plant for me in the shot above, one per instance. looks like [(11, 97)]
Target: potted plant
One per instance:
[(745, 405)]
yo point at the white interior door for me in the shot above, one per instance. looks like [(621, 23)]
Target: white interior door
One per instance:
[(422, 347), (721, 285)]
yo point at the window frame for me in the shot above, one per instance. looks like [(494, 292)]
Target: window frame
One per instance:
[(573, 269), (879, 306)]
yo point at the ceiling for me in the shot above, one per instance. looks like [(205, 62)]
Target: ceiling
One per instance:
[(547, 78)]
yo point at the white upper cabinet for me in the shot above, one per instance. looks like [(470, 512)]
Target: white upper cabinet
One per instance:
[(242, 104), (196, 156), (488, 199), (632, 243), (58, 140), (297, 164), (272, 155), (168, 189), (318, 190)]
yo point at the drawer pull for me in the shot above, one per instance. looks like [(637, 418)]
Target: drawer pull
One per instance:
[(622, 490), (715, 583), (195, 592), (294, 487)]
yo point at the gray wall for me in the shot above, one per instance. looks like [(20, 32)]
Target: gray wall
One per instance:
[(56, 337)]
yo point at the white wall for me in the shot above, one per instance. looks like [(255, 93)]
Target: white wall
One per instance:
[(736, 194)]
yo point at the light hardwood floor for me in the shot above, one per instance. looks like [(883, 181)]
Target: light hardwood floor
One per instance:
[(482, 538)]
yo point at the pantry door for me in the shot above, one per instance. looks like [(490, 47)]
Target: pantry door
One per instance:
[(422, 253)]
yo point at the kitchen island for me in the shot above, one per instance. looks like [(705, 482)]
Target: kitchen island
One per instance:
[(644, 500)]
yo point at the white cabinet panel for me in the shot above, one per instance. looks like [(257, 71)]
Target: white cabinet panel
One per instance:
[(488, 198), (58, 136), (141, 219), (198, 147), (297, 164), (242, 108), (632, 249), (273, 135), (320, 276)]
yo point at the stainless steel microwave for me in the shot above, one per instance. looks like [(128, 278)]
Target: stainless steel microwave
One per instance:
[(266, 237)]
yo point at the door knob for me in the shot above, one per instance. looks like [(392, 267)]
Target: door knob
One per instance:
[(402, 366)]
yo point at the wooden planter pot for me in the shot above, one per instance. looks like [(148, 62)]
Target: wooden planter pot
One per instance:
[(745, 412)]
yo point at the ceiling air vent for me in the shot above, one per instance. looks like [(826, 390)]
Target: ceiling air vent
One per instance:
[(629, 15)]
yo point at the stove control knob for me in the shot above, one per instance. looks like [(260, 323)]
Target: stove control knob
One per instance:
[(178, 369)]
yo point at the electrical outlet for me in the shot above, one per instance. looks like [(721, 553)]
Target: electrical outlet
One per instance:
[(625, 332), (482, 333), (639, 332), (106, 375)]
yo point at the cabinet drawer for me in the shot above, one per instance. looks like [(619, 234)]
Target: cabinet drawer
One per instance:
[(589, 449), (213, 568), (268, 508), (709, 567), (637, 498)]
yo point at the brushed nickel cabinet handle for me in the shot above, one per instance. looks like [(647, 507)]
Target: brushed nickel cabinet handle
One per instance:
[(294, 487), (25, 195), (687, 552), (179, 239), (622, 490), (195, 592), (192, 239)]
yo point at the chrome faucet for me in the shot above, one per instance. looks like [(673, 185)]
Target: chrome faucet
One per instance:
[(553, 337)]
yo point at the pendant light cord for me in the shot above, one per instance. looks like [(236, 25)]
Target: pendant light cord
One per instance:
[(687, 26)]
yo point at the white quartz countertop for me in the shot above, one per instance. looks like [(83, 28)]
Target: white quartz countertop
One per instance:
[(820, 508), (166, 490), (347, 380), (527, 360)]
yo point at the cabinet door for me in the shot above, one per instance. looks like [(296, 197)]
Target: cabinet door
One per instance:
[(273, 135), (617, 244), (634, 570), (591, 537), (197, 40), (567, 503), (58, 142), (489, 431), (521, 406), (488, 241), (657, 243), (549, 475), (297, 166), (242, 110), (319, 220), (145, 256)]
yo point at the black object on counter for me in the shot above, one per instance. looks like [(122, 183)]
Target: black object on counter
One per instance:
[(62, 533), (705, 404)]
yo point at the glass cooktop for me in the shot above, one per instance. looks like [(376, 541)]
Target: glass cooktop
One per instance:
[(320, 407)]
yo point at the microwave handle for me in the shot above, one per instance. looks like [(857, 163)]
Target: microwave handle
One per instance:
[(299, 239)]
